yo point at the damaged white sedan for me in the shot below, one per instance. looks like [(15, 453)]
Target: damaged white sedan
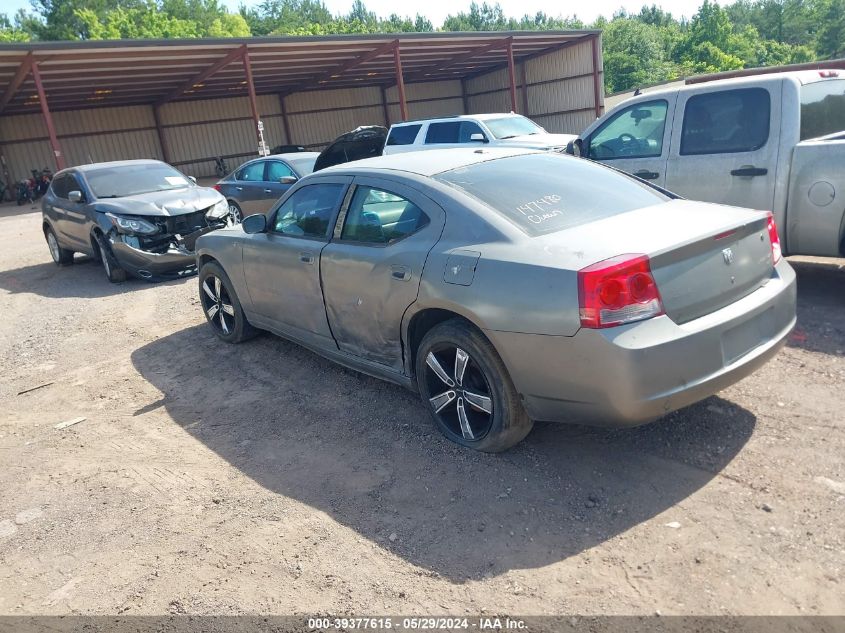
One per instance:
[(138, 217)]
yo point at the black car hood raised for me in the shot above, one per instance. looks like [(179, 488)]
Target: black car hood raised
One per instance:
[(161, 203), (366, 141)]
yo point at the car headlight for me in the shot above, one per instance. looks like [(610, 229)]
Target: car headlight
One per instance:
[(132, 225), (218, 211)]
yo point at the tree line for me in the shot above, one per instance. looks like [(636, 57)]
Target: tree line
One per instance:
[(639, 49)]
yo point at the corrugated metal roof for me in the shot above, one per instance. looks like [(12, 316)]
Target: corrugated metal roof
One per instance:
[(88, 74)]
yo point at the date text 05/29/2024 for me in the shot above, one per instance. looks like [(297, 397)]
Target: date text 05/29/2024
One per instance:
[(416, 624)]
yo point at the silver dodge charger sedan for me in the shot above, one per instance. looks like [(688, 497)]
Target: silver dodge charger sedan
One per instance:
[(508, 286)]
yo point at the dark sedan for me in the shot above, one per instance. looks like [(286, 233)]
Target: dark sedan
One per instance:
[(140, 217), (256, 185)]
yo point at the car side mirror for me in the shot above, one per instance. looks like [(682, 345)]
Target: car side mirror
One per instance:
[(478, 137), (256, 223), (575, 147), (192, 179), (75, 196), (287, 180)]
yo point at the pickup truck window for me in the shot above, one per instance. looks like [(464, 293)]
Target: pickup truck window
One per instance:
[(822, 108), (403, 134), (635, 132), (726, 122)]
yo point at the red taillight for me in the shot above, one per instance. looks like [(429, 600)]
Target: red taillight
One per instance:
[(773, 238), (827, 74), (616, 291), (217, 187)]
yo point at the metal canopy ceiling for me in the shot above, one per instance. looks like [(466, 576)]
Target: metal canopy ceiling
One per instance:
[(89, 74)]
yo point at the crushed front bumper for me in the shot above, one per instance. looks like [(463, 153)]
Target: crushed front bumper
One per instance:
[(632, 374), (179, 260)]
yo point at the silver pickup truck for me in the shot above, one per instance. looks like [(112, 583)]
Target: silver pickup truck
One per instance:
[(772, 142)]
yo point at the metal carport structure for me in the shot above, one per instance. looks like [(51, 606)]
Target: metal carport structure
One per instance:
[(186, 101)]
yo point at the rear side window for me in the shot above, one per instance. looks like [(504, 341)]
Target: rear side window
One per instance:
[(726, 122), (544, 193), (253, 172), (380, 217), (822, 108), (403, 134)]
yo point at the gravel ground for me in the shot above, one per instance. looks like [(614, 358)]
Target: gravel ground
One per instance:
[(210, 479)]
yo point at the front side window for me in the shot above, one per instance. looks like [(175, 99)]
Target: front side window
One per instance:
[(447, 132), (254, 172), (60, 186), (376, 216), (133, 179), (547, 192), (277, 170), (726, 122), (308, 212), (822, 108), (403, 135), (635, 132)]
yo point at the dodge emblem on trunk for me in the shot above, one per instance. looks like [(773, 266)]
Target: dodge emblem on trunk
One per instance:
[(728, 256)]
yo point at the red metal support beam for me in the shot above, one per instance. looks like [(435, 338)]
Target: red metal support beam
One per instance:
[(250, 86), (598, 89), (400, 81), (285, 121), (512, 75), (17, 81), (48, 119), (233, 56), (161, 141), (384, 107)]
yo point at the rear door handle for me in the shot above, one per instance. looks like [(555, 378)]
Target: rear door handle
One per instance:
[(749, 171), (306, 258), (402, 273), (647, 175)]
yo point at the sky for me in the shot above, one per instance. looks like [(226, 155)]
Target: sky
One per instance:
[(437, 10)]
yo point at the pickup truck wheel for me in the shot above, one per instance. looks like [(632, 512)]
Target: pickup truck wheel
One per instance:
[(113, 271), (221, 305), (61, 256), (467, 390)]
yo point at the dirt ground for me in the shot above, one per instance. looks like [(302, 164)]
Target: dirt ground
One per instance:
[(260, 478)]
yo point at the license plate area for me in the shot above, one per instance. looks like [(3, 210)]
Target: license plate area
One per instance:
[(745, 337)]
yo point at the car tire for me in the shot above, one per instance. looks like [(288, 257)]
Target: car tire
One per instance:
[(113, 270), (61, 256), (479, 409), (221, 305), (236, 214)]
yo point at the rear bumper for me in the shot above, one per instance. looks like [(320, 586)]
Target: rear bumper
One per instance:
[(636, 373)]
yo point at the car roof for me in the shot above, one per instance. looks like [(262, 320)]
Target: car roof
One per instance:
[(429, 162), (472, 117), (116, 163)]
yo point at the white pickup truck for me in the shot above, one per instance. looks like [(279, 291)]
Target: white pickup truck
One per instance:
[(772, 142)]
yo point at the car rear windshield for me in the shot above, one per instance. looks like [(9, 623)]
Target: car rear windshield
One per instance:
[(544, 193), (119, 181), (822, 108)]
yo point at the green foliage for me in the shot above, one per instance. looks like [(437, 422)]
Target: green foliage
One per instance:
[(641, 48)]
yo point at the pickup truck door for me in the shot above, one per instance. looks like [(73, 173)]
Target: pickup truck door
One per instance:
[(635, 139), (725, 145)]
